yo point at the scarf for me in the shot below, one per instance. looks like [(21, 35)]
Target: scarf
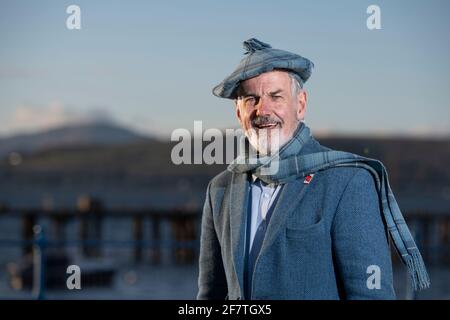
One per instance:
[(288, 165)]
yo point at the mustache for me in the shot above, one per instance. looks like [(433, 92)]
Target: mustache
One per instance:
[(263, 120)]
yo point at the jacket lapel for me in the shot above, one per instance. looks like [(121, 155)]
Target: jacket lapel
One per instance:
[(290, 196), (239, 195)]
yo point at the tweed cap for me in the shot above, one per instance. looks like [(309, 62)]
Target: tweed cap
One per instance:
[(260, 58)]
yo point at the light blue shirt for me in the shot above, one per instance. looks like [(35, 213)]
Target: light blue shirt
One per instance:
[(263, 196)]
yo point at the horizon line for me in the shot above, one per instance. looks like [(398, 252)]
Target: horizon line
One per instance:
[(422, 133)]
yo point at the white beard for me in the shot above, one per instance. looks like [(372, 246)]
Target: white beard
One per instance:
[(266, 141)]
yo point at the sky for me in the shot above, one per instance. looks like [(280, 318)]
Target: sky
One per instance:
[(151, 65)]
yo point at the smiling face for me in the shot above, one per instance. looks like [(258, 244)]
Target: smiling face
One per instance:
[(269, 109)]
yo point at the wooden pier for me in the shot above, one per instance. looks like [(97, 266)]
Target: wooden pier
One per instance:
[(91, 214)]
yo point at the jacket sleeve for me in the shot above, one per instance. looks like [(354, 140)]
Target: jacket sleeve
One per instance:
[(211, 281), (360, 243)]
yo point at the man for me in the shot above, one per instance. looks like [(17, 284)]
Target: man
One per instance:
[(296, 220)]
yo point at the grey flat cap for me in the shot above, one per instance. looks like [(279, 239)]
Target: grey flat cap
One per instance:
[(261, 57)]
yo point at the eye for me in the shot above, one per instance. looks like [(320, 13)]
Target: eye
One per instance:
[(251, 101)]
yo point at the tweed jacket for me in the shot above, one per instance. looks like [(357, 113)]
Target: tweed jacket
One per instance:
[(326, 239)]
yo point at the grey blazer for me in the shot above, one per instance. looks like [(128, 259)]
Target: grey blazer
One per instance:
[(325, 240)]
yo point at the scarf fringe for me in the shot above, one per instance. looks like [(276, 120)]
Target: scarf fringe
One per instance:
[(417, 271)]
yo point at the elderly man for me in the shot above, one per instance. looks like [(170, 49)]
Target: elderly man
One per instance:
[(294, 219)]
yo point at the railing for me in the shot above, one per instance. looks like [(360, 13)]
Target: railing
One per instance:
[(90, 215)]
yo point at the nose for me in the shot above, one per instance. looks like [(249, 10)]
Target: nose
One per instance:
[(263, 107)]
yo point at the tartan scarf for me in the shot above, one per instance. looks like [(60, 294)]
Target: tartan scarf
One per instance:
[(288, 165)]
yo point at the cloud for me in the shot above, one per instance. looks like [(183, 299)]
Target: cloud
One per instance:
[(27, 118)]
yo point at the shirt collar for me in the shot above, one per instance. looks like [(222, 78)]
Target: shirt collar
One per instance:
[(263, 184)]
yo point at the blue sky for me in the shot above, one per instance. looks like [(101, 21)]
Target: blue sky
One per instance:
[(151, 65)]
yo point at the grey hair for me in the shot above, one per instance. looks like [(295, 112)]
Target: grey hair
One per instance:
[(295, 85)]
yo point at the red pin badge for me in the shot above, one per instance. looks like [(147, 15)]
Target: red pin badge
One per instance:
[(308, 178)]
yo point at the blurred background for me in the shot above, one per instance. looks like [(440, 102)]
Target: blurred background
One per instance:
[(86, 118)]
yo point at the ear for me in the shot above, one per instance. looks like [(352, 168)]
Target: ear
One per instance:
[(302, 99), (238, 110)]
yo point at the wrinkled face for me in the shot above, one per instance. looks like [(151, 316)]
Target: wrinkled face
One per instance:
[(269, 110)]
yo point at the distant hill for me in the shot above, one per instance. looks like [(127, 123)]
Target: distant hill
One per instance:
[(105, 134)]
